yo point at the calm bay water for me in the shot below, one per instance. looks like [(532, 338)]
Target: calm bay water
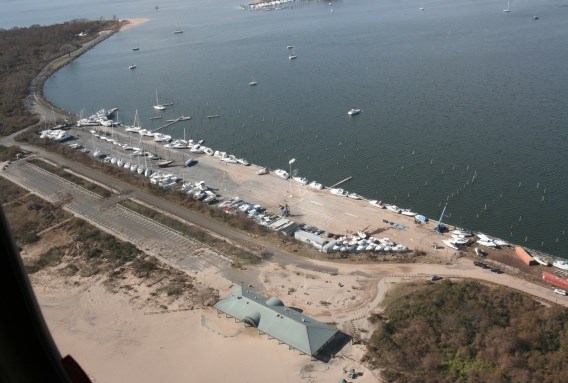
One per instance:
[(462, 104)]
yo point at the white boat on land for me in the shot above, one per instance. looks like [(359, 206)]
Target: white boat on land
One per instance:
[(132, 66), (242, 161), (262, 171), (302, 180), (480, 252), (354, 196), (197, 149), (158, 106), (160, 137), (563, 265), (282, 173), (377, 203), (208, 151), (487, 242), (451, 244), (465, 233), (164, 163), (408, 212), (394, 208), (459, 240), (339, 192), (315, 185), (353, 111), (230, 159), (542, 261), (501, 243)]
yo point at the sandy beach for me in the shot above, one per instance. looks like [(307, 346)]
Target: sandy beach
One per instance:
[(116, 338), (131, 23)]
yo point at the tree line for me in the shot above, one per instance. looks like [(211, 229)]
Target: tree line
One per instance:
[(23, 54)]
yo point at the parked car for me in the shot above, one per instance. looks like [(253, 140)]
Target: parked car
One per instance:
[(496, 270), (435, 277), (560, 292)]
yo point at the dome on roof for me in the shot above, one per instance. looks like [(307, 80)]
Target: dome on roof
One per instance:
[(274, 301), (253, 319)]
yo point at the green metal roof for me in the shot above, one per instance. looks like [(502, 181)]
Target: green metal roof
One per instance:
[(272, 317)]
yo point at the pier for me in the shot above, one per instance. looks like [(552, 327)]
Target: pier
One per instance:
[(340, 182), (168, 124)]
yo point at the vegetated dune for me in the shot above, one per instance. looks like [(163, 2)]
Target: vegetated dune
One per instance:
[(469, 332)]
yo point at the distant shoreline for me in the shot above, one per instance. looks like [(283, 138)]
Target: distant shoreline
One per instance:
[(39, 104), (130, 23)]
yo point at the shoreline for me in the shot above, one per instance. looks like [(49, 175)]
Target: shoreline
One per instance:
[(127, 24), (37, 103)]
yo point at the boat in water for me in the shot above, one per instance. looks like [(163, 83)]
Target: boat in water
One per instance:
[(177, 32), (132, 66), (354, 196), (291, 55), (353, 111), (158, 106)]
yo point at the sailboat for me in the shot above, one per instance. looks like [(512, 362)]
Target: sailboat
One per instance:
[(164, 163), (421, 6), (158, 106), (507, 10), (291, 54), (253, 82)]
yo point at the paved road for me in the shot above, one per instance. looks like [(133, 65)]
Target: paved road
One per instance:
[(169, 245)]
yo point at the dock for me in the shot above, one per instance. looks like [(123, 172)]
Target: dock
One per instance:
[(340, 182), (165, 126)]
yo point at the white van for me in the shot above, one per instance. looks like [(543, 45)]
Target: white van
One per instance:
[(560, 291)]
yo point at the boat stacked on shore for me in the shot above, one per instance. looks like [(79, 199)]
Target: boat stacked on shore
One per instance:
[(459, 238)]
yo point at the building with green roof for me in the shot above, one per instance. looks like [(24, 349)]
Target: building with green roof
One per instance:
[(288, 325)]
